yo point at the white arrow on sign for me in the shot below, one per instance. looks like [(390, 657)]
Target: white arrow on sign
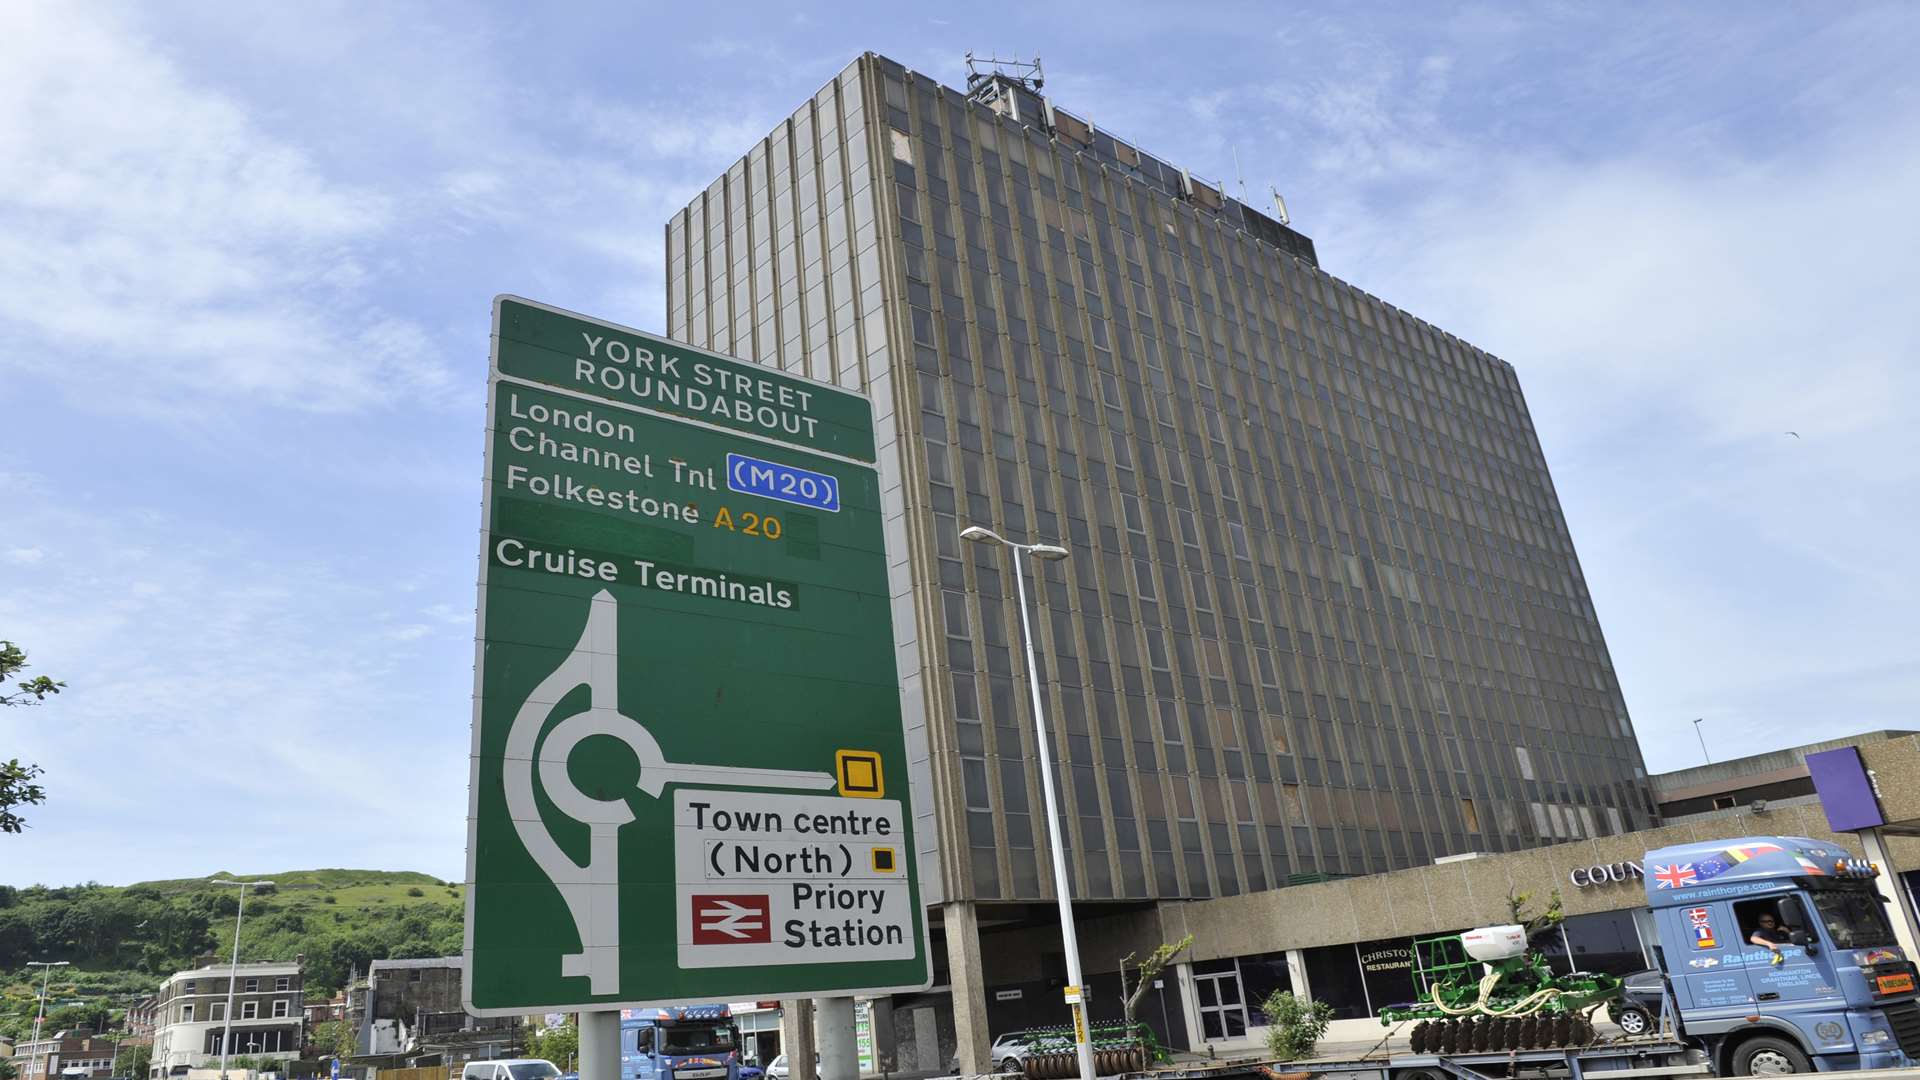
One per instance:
[(731, 919), (592, 892)]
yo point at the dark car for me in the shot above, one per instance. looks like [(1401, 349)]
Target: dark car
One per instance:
[(1638, 1009)]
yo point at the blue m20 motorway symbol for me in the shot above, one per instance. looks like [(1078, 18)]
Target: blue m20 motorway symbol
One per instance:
[(787, 483)]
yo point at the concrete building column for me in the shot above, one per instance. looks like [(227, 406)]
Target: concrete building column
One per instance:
[(967, 976), (839, 1059), (1297, 973), (600, 1044), (1189, 1005), (1906, 929), (796, 1037)]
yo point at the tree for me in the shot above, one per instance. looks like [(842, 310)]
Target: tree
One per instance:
[(16, 780), (8, 1070), (1535, 925), (133, 1060), (13, 660), (333, 1038), (1148, 970), (93, 1016), (1294, 1024), (560, 1045)]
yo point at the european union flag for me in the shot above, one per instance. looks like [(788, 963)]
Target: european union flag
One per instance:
[(1711, 866)]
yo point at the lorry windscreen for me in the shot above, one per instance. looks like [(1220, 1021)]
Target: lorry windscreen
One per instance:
[(1854, 918), (681, 1039)]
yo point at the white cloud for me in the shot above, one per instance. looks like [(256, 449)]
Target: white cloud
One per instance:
[(160, 247), (1671, 317), (209, 666), (1684, 256)]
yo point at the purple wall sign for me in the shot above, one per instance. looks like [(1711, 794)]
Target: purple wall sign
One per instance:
[(1846, 792)]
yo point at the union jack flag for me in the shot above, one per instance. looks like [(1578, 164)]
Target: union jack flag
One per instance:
[(1673, 877)]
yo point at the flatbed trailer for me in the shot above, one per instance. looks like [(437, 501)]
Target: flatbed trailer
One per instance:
[(1624, 1060)]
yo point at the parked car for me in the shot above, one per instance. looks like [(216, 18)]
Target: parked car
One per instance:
[(1009, 1053), (1638, 1009), (511, 1069), (778, 1069)]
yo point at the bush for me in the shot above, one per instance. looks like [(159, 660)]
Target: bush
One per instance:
[(1294, 1024), (414, 890), (329, 899)]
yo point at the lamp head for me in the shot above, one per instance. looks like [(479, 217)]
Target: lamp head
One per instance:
[(1050, 552), (980, 534)]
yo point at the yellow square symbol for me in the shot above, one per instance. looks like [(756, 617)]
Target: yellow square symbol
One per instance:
[(859, 774), (885, 861)]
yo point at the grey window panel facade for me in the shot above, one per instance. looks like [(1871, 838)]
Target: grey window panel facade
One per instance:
[(1323, 615)]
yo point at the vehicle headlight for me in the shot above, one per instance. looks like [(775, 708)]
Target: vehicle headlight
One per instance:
[(1874, 1038)]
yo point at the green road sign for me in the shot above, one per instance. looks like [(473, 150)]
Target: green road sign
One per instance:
[(689, 776)]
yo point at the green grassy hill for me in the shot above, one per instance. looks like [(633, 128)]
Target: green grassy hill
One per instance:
[(299, 879), (121, 940)]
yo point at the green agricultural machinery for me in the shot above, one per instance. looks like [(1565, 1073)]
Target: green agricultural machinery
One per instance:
[(1053, 1055), (1484, 991)]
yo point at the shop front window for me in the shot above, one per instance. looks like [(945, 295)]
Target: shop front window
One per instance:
[(1333, 976), (1605, 942), (1386, 966)]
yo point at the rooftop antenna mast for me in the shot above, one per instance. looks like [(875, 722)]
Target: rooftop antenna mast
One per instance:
[(1279, 206), (1238, 176), (981, 69)]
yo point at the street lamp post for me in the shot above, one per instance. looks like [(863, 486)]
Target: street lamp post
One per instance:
[(1063, 886), (1703, 741), (233, 969), (40, 1013)]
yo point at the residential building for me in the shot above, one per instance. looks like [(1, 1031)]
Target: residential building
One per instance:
[(191, 1015), (142, 1017), (76, 1053), (1322, 616), (414, 1008), (319, 1012)]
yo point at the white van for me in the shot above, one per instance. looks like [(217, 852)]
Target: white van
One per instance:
[(510, 1069)]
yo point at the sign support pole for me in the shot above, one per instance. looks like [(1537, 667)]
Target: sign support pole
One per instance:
[(1062, 884), (1891, 887), (839, 1058), (600, 1045)]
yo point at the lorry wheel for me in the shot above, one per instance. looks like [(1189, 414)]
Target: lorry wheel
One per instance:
[(1632, 1019), (1768, 1056)]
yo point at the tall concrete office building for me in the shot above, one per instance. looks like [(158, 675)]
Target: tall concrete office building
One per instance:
[(1322, 615)]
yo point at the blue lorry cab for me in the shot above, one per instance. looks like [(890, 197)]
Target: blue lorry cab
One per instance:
[(683, 1042), (1838, 994)]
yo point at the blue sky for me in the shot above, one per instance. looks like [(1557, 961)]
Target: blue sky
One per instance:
[(247, 255)]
